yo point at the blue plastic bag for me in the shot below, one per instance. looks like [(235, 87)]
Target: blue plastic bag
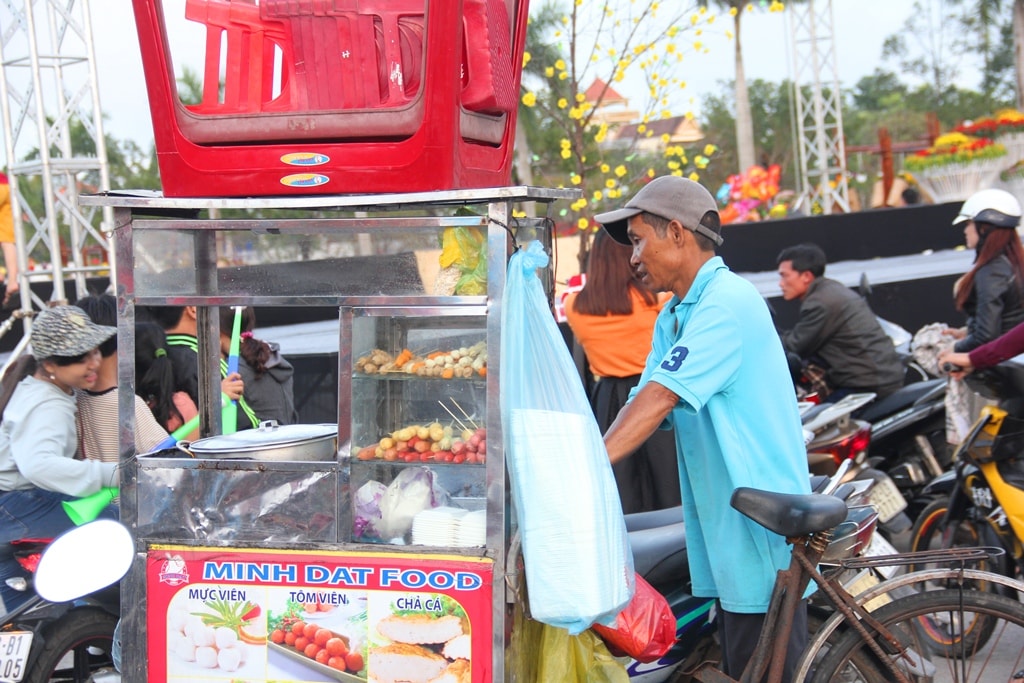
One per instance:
[(579, 569)]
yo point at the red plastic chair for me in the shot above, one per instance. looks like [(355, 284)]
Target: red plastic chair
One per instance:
[(338, 96)]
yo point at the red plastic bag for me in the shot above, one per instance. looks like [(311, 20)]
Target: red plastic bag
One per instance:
[(645, 629)]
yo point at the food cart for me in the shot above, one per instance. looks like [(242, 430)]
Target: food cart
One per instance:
[(384, 560)]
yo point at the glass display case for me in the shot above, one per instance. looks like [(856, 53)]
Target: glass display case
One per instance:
[(418, 386)]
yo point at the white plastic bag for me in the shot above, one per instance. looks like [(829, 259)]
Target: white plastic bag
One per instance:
[(579, 568)]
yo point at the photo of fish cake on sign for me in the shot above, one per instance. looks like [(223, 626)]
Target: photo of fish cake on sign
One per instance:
[(317, 635), (423, 637)]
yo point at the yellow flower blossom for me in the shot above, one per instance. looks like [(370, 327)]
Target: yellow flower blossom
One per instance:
[(530, 99), (641, 128), (562, 103), (697, 45), (694, 19), (673, 165), (665, 137), (560, 65), (700, 162), (620, 170), (677, 173), (581, 97), (614, 194), (562, 76), (576, 113), (711, 19), (702, 11), (582, 223), (605, 168), (516, 213), (673, 31), (610, 183), (526, 59), (549, 71), (564, 143), (598, 195), (694, 176), (732, 11), (575, 179), (710, 149), (566, 153), (565, 21), (650, 173)]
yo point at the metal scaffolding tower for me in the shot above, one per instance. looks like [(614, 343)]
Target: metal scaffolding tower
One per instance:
[(53, 135), (822, 151)]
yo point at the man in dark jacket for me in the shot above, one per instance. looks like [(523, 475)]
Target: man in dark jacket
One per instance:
[(836, 328)]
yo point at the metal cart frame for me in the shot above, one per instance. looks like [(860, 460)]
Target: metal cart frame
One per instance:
[(197, 219)]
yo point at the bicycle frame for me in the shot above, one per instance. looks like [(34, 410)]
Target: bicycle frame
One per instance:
[(790, 584)]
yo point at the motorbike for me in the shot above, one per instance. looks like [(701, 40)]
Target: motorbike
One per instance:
[(981, 500), (658, 543), (835, 435), (64, 631)]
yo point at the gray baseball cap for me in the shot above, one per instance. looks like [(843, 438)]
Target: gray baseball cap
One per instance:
[(673, 198), (66, 332)]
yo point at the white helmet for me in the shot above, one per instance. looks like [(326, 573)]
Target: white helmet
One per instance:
[(995, 207)]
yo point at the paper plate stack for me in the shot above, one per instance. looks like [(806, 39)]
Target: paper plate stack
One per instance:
[(437, 526), (472, 530)]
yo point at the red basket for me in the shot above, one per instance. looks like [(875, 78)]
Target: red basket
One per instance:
[(338, 96)]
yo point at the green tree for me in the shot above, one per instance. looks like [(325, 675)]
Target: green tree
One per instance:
[(771, 127), (568, 49), (745, 147)]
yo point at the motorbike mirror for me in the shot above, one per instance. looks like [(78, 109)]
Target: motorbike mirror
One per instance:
[(69, 569)]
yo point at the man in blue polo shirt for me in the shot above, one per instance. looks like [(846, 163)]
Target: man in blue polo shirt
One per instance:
[(718, 375)]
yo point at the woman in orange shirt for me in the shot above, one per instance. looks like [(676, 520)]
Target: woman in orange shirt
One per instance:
[(612, 318)]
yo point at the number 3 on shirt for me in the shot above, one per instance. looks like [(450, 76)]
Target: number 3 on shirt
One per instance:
[(675, 358)]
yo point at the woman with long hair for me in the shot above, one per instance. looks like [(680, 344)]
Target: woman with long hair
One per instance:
[(612, 319), (991, 293)]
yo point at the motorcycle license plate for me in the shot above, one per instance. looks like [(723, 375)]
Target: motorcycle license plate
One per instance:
[(887, 499), (878, 547), (14, 647)]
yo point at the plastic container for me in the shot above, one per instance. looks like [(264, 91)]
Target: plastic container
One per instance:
[(337, 96)]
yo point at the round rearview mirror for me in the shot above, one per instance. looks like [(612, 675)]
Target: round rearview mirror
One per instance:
[(84, 560)]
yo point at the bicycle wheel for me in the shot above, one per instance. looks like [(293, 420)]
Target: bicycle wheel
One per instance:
[(965, 660), (930, 533)]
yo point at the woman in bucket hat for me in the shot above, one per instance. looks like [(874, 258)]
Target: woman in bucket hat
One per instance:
[(38, 439)]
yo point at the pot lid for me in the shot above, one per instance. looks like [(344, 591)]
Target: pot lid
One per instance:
[(268, 434)]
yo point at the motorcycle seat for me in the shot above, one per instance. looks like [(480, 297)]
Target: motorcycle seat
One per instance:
[(904, 397), (789, 514), (659, 553)]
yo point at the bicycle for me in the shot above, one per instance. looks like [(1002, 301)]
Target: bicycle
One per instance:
[(866, 640)]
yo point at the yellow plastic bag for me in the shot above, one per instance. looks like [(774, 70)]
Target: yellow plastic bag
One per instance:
[(540, 653)]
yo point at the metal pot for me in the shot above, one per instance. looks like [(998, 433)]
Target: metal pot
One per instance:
[(271, 441)]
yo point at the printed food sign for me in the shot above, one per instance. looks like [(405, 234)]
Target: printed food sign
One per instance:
[(257, 616)]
